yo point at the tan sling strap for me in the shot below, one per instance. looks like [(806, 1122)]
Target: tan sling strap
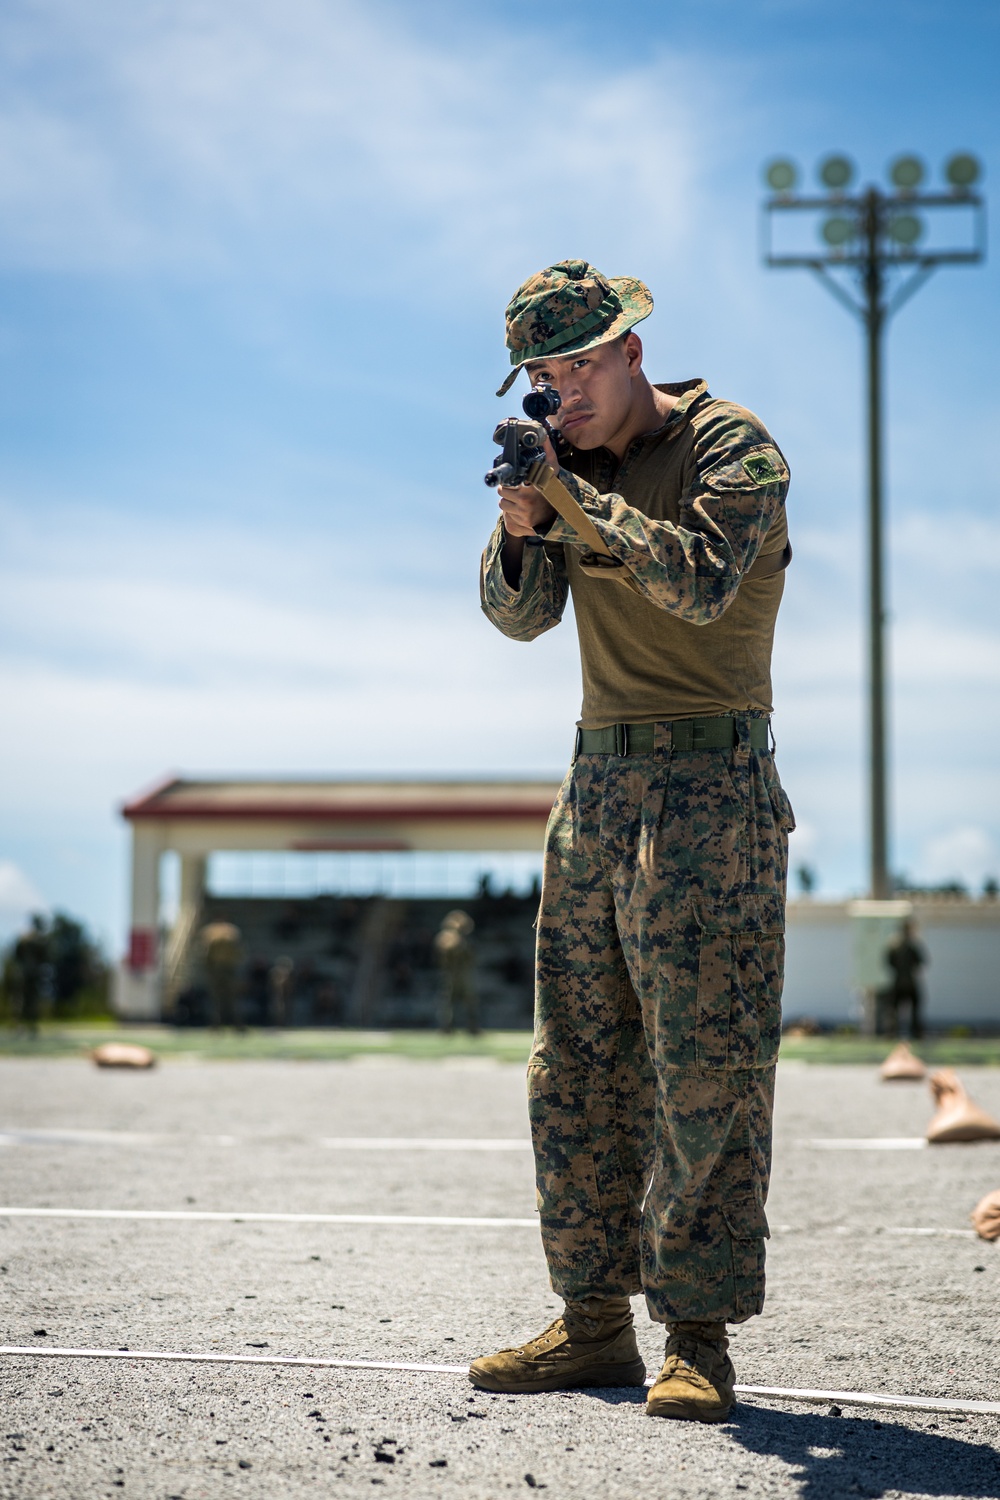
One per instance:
[(598, 562)]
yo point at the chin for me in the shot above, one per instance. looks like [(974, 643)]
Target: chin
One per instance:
[(585, 438)]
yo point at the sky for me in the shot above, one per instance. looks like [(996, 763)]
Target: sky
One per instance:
[(253, 267)]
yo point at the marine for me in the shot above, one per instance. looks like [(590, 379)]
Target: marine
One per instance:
[(660, 936)]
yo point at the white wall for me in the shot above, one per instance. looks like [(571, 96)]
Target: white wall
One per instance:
[(962, 981)]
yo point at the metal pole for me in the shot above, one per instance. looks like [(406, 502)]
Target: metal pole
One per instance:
[(880, 247), (874, 321)]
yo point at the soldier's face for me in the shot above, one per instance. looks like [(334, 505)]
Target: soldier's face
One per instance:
[(597, 389)]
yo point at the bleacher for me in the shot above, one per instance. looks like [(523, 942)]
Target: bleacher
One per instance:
[(368, 961)]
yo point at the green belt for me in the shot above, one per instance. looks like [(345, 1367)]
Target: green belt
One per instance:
[(686, 734)]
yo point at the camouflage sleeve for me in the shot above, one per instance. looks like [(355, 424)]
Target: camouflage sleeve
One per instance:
[(694, 568), (538, 603)]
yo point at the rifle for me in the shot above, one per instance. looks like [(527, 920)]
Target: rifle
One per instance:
[(522, 461)]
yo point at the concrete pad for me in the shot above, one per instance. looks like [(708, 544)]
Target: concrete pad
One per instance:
[(853, 1305)]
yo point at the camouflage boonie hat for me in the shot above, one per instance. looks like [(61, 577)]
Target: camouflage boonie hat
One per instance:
[(570, 307)]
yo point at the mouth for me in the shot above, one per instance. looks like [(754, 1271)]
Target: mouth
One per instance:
[(574, 420)]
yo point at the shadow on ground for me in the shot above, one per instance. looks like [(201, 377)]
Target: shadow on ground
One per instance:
[(840, 1456), (831, 1458)]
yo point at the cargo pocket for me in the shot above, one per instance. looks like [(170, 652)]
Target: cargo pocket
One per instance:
[(740, 970), (747, 1225), (781, 808)]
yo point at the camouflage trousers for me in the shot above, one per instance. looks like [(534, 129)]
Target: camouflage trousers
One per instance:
[(657, 1020)]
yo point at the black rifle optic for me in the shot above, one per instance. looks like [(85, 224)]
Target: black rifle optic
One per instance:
[(522, 443)]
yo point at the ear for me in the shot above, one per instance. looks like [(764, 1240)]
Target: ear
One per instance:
[(632, 346)]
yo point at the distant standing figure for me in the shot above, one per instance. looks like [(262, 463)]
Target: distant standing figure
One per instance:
[(905, 957), (456, 956), (280, 981), (221, 947), (30, 958)]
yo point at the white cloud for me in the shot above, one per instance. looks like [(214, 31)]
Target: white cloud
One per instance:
[(19, 898), (191, 127), (968, 854)]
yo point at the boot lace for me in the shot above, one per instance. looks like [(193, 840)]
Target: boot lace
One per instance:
[(688, 1350)]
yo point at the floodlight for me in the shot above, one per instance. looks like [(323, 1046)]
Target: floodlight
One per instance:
[(838, 230), (962, 170), (907, 172), (905, 229), (781, 176), (836, 171)]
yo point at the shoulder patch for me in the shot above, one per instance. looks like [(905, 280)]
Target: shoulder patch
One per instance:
[(761, 469)]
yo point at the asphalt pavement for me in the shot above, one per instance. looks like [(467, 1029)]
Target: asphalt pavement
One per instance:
[(875, 1285)]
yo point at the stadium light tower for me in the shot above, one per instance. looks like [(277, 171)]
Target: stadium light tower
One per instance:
[(878, 248)]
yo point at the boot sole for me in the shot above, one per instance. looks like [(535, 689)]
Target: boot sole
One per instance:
[(604, 1375), (681, 1411)]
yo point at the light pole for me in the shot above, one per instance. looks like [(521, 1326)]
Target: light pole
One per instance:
[(875, 240)]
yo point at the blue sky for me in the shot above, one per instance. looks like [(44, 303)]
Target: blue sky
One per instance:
[(253, 268)]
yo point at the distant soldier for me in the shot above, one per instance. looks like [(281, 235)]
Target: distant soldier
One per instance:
[(30, 972), (221, 948), (280, 981), (456, 957), (905, 957)]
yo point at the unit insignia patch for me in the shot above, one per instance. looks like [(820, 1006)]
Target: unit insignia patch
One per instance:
[(761, 469)]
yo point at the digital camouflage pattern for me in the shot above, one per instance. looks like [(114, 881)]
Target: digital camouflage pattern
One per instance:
[(687, 520), (658, 1018), (570, 307), (688, 510)]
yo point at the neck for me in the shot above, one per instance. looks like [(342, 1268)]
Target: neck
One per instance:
[(648, 411)]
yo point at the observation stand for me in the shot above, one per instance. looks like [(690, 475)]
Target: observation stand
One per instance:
[(194, 820)]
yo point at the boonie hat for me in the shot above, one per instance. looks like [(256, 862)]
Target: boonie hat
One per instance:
[(570, 307)]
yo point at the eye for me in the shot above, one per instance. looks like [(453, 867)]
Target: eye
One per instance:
[(578, 363)]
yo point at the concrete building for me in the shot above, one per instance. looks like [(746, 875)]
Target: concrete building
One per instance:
[(961, 981)]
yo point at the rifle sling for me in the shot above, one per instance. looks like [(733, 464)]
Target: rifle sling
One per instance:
[(571, 511), (559, 497)]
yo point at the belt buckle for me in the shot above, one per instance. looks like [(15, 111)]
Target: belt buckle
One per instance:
[(621, 739)]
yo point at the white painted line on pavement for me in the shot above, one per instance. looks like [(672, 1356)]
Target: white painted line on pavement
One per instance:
[(964, 1234), (860, 1231), (72, 1137), (68, 1137), (183, 1215), (869, 1143), (235, 1359), (870, 1398), (770, 1392), (420, 1143), (235, 1216)]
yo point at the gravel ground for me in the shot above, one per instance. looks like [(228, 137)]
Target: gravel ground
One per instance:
[(853, 1306)]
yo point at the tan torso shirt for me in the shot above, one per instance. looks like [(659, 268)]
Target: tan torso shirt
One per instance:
[(687, 510)]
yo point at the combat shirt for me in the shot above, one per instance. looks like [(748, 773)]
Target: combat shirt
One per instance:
[(687, 510)]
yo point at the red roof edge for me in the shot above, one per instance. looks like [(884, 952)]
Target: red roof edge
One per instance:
[(324, 813), (136, 806)]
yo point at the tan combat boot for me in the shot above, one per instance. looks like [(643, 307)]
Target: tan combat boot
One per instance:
[(697, 1379), (593, 1343)]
